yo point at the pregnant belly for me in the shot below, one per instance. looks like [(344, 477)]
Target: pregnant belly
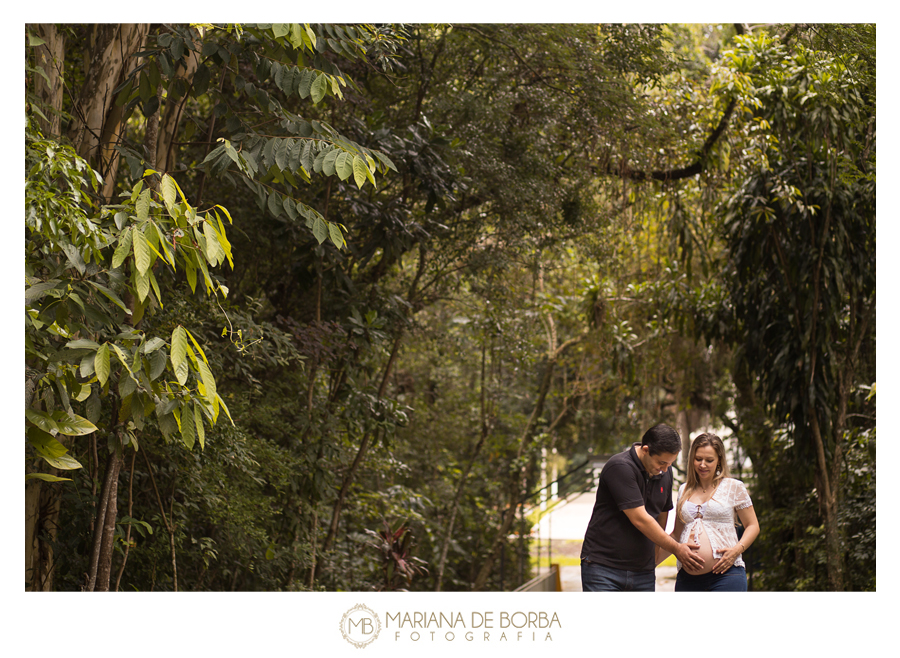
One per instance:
[(705, 552)]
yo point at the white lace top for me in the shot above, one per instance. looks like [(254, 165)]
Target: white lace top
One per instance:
[(717, 516)]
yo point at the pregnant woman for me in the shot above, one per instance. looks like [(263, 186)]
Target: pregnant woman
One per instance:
[(709, 503)]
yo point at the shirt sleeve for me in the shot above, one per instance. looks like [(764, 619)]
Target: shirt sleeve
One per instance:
[(741, 496), (623, 487)]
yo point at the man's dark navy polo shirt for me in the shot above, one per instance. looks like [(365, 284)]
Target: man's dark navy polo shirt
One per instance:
[(611, 539)]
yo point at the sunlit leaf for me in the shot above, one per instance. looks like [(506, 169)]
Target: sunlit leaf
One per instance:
[(123, 248), (179, 354), (360, 171), (169, 193), (101, 364), (142, 254)]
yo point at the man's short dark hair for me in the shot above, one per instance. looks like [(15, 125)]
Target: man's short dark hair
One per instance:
[(662, 439)]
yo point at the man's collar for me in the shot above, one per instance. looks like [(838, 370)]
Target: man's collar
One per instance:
[(634, 455)]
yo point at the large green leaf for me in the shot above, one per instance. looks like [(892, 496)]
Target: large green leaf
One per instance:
[(385, 160), (344, 165), (274, 203), (215, 253), (65, 462), (155, 286), (157, 364), (142, 206), (305, 82), (320, 230), (199, 349), (39, 290), (308, 155), (334, 232), (142, 254), (86, 368), (123, 249), (101, 364), (282, 153), (51, 450), (293, 162), (73, 425), (319, 88), (123, 358), (142, 284), (42, 419), (188, 427), (109, 294), (179, 354), (169, 191), (328, 164), (83, 343), (152, 345), (191, 273), (225, 407), (198, 423), (82, 394), (209, 382), (296, 36), (46, 477), (360, 171)]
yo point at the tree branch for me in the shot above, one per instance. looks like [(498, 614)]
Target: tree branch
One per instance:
[(696, 167)]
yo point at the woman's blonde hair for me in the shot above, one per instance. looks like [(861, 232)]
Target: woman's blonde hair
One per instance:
[(693, 481)]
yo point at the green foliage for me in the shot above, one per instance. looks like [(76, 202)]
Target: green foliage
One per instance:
[(799, 233), (791, 552), (81, 263), (252, 71), (382, 348)]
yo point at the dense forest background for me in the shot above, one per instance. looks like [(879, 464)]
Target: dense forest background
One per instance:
[(319, 307)]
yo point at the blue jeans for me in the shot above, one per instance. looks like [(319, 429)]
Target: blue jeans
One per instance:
[(598, 578), (733, 580)]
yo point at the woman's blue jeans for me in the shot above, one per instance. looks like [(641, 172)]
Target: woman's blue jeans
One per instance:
[(733, 580), (598, 578)]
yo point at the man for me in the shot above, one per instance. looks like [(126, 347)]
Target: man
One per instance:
[(634, 496)]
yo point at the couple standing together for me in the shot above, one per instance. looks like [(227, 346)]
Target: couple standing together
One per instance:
[(626, 536)]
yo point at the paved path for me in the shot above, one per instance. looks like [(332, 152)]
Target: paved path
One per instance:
[(567, 523)]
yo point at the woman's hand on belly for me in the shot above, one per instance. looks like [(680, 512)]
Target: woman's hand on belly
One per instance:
[(727, 560)]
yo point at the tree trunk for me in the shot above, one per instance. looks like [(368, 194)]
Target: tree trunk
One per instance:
[(827, 497), (32, 522), (171, 117), (102, 545), (97, 120), (49, 57), (104, 567), (42, 504)]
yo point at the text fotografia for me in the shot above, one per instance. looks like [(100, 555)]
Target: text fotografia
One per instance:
[(480, 626)]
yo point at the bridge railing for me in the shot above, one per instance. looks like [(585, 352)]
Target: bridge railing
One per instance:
[(576, 481)]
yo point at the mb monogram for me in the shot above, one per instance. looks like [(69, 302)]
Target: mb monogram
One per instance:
[(360, 626)]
